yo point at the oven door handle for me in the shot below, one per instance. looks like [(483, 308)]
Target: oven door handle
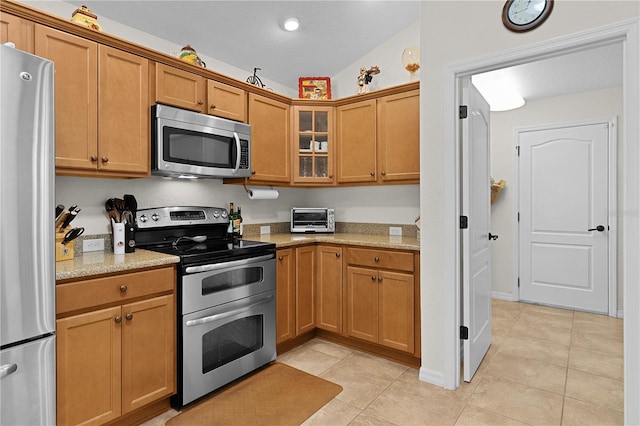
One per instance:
[(216, 317), (233, 263), (238, 153)]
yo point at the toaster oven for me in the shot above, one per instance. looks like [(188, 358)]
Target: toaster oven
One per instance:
[(313, 219)]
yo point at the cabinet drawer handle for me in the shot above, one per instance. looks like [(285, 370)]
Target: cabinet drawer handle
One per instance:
[(94, 158), (123, 289), (105, 159), (118, 319), (213, 106), (129, 316), (377, 259)]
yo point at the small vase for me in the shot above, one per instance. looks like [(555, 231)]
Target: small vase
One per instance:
[(411, 60)]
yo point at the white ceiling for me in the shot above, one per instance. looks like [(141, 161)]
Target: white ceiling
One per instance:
[(332, 35)]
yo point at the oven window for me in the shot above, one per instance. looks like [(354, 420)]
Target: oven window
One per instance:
[(198, 148), (232, 278), (231, 341)]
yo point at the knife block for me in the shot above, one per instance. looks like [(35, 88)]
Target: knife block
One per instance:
[(63, 251)]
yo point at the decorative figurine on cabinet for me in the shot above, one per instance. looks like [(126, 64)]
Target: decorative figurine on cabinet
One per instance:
[(84, 16), (365, 77)]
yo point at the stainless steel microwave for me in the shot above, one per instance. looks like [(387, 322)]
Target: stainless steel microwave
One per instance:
[(309, 220), (192, 145)]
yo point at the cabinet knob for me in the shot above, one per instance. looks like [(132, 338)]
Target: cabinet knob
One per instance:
[(379, 278), (337, 254), (373, 278), (213, 106), (372, 174), (280, 258), (105, 159), (377, 259), (200, 102), (94, 158), (253, 172), (123, 289), (118, 319), (129, 316), (331, 176), (383, 173)]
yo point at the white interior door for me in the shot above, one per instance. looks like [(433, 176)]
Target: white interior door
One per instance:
[(476, 248), (564, 227)]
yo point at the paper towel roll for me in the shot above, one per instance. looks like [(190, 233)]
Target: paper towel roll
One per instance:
[(263, 194)]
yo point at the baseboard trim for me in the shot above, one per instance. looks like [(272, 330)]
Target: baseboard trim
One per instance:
[(431, 376), (502, 296)]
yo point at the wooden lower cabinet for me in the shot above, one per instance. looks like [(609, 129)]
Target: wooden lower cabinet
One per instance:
[(329, 288), (285, 295), (117, 359), (305, 289), (380, 304)]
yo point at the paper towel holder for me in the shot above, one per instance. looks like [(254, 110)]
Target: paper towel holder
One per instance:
[(267, 194)]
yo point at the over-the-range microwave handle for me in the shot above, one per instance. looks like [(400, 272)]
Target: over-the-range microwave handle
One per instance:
[(216, 317), (7, 369), (223, 265), (238, 153)]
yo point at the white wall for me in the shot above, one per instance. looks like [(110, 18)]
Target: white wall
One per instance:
[(598, 104), (387, 56), (455, 32)]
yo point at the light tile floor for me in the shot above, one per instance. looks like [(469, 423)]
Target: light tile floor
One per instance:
[(545, 366)]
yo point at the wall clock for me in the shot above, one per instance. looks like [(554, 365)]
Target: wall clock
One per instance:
[(525, 15)]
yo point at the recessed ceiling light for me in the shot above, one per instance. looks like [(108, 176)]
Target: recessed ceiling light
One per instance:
[(291, 24)]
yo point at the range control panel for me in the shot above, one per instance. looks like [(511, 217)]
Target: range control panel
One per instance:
[(178, 216)]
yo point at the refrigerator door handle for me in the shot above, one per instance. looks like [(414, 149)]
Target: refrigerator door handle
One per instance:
[(8, 369)]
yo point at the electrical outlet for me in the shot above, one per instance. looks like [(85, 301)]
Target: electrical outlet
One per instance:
[(265, 230), (93, 245), (395, 230)]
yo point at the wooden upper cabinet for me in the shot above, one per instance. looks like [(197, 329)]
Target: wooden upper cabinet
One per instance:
[(97, 87), (356, 142), (180, 88), (17, 31), (399, 137), (270, 133), (124, 114), (226, 101), (76, 96)]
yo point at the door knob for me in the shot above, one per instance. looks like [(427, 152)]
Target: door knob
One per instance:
[(598, 228), (492, 237)]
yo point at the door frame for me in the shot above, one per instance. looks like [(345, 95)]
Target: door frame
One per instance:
[(628, 33), (612, 204)]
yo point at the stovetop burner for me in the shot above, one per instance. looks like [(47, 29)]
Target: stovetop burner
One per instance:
[(197, 235)]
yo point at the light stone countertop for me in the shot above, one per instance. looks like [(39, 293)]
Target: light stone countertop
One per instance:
[(105, 262), (368, 240)]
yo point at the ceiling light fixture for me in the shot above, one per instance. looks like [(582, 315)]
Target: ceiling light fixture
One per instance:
[(291, 24), (498, 89)]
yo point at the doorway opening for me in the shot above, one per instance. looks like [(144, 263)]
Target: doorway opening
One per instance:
[(625, 33)]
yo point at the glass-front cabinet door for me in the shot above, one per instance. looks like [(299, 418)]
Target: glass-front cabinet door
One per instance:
[(313, 145)]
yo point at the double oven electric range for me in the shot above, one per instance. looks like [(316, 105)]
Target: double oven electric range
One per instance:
[(226, 307)]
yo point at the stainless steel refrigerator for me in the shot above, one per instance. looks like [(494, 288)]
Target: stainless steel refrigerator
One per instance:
[(27, 256)]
